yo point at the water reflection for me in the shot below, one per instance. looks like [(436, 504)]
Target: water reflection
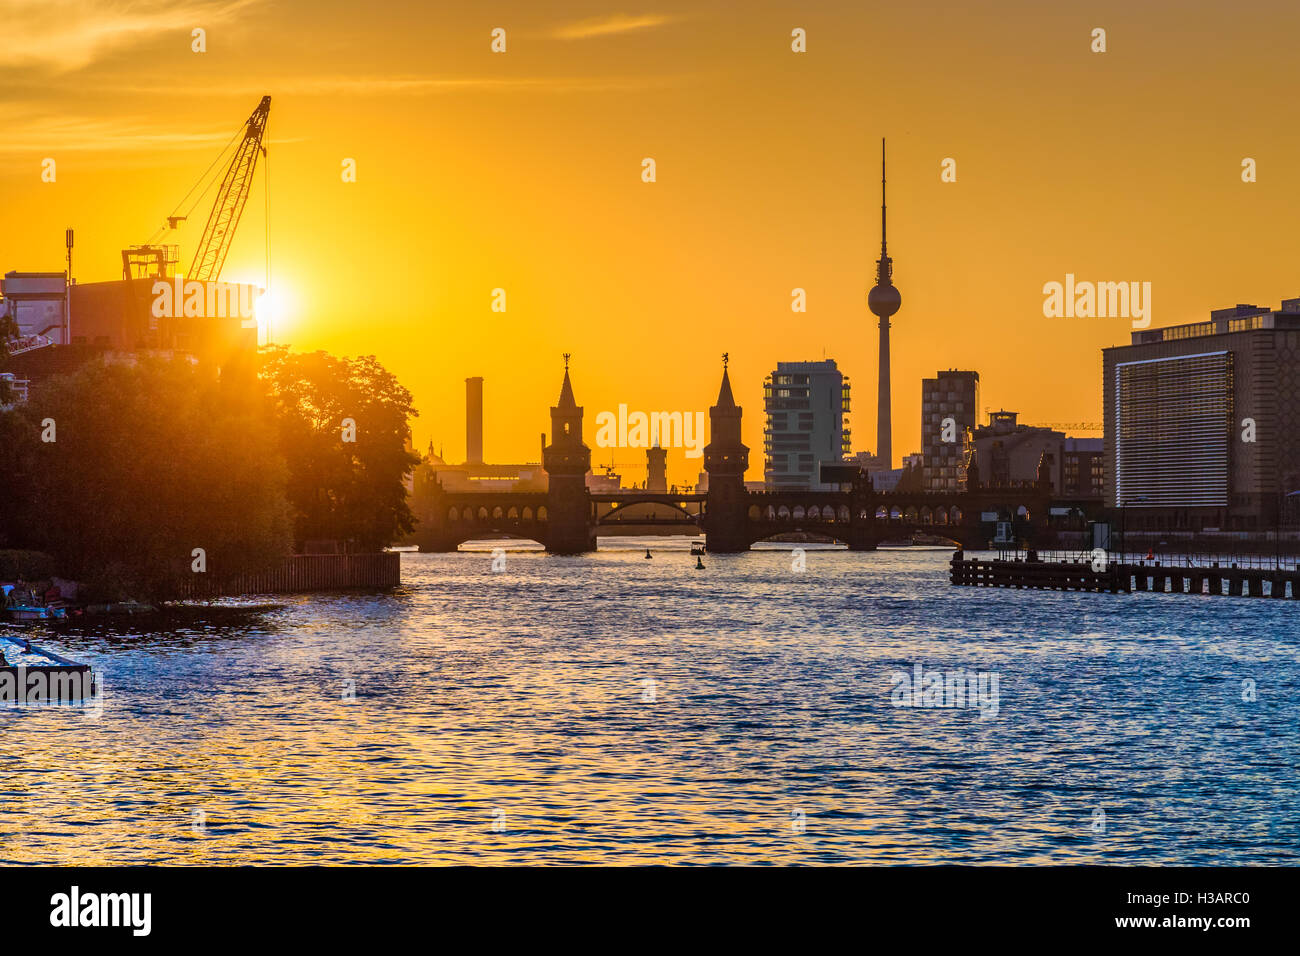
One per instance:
[(483, 716)]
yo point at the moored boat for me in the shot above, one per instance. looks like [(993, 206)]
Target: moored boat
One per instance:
[(35, 675)]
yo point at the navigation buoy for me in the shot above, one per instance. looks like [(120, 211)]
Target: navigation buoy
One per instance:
[(647, 552), (699, 563)]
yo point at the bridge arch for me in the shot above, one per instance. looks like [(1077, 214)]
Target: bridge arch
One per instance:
[(618, 508)]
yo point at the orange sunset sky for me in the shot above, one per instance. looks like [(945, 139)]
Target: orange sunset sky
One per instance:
[(522, 171)]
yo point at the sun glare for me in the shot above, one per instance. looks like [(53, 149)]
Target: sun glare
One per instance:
[(274, 312)]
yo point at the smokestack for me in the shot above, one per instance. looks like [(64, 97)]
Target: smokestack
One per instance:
[(474, 420)]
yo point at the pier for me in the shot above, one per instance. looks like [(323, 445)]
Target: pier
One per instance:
[(299, 573), (1075, 572)]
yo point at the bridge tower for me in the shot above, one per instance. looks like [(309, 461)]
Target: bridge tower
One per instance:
[(725, 459), (567, 461)]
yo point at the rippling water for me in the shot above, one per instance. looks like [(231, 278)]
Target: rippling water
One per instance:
[(507, 718)]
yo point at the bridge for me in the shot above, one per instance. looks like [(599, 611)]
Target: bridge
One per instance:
[(567, 517)]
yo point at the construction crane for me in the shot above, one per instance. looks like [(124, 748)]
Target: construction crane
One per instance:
[(1071, 426), (231, 197), (158, 261)]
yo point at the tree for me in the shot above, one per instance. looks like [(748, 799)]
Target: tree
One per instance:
[(121, 471), (8, 332), (343, 432)]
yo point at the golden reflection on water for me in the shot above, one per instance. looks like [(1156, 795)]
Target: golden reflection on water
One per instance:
[(504, 718)]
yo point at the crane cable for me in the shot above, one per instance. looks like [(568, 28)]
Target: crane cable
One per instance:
[(162, 230), (266, 224)]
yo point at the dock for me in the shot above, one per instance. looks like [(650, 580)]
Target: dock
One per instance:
[(1073, 573), (34, 675)]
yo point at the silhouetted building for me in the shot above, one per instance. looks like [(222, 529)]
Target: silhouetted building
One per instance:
[(214, 324), (726, 459), (949, 404), (1200, 420), (36, 301), (807, 405), (1009, 452), (525, 476), (656, 464), (474, 420), (1083, 468), (567, 461)]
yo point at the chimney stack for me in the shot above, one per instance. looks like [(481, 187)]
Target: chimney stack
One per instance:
[(474, 420)]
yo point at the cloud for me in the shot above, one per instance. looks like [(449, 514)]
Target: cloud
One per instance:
[(604, 26), (68, 133), (65, 35), (401, 85)]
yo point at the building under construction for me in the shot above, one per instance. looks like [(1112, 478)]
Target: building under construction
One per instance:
[(152, 309)]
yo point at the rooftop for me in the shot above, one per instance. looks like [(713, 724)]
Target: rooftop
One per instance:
[(1240, 318)]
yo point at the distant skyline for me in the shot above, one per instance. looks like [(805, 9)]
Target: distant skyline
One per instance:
[(522, 171)]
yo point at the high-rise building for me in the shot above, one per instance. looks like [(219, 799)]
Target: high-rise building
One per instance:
[(474, 420), (1083, 468), (949, 404), (807, 406), (1200, 420)]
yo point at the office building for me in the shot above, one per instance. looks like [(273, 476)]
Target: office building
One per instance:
[(949, 404), (1200, 420), (807, 407), (1083, 468)]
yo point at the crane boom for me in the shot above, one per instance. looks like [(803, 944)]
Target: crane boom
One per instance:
[(231, 197)]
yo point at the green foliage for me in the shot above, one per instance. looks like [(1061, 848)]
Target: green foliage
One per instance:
[(339, 490), (26, 565), (8, 331), (149, 462)]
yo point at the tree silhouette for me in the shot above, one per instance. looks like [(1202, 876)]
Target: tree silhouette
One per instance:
[(351, 492)]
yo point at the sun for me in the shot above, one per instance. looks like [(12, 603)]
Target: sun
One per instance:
[(275, 311)]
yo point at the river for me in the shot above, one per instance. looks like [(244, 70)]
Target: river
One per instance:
[(614, 709)]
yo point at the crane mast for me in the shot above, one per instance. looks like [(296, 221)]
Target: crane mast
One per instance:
[(231, 197)]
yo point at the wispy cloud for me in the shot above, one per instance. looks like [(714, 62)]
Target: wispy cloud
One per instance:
[(407, 85), (66, 133), (604, 26), (63, 35)]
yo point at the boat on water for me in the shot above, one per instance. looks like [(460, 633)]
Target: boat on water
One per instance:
[(36, 612), (36, 675)]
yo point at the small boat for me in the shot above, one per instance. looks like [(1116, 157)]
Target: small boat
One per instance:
[(34, 675), (28, 612), (697, 548)]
